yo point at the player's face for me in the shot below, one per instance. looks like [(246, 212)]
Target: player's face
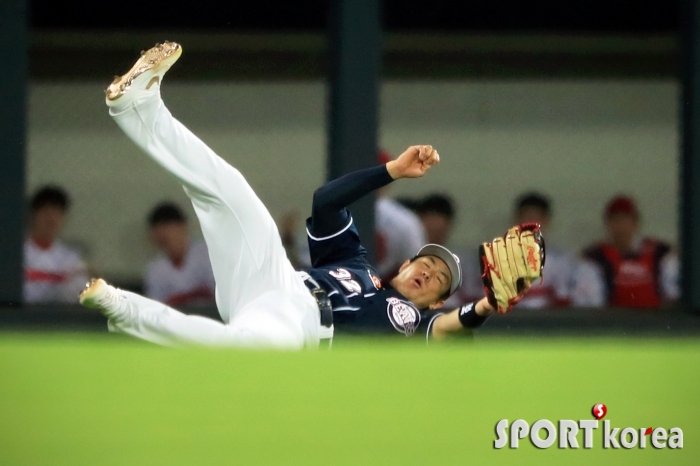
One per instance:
[(423, 281), (622, 227), (171, 238), (532, 214), (47, 222)]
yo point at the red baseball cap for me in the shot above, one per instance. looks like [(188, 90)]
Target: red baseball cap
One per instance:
[(621, 205)]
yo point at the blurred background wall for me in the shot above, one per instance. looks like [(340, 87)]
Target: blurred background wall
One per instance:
[(579, 141), (577, 104)]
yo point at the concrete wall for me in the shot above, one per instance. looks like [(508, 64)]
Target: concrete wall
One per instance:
[(579, 141)]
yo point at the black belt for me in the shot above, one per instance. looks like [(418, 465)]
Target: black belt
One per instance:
[(325, 308)]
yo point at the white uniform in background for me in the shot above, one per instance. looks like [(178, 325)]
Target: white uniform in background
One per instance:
[(670, 277), (557, 287), (400, 235), (52, 275), (262, 300), (190, 283), (589, 286)]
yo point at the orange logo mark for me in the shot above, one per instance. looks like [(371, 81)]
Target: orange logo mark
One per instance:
[(531, 258)]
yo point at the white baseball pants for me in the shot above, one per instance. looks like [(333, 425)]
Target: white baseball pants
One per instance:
[(262, 300)]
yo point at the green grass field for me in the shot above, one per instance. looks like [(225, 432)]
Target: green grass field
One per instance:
[(104, 400)]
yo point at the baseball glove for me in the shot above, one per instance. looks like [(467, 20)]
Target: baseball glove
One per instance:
[(510, 264)]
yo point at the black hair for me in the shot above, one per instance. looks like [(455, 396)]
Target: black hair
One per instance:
[(437, 204), (50, 195), (533, 199), (166, 212), (408, 202)]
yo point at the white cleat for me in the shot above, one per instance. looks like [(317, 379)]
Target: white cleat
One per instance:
[(146, 72), (99, 295)]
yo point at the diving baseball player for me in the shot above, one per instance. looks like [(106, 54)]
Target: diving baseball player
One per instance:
[(262, 300)]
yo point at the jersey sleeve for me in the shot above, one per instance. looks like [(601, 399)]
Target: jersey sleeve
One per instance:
[(467, 315), (670, 289), (589, 285), (338, 246), (427, 324), (76, 276), (563, 279), (332, 235)]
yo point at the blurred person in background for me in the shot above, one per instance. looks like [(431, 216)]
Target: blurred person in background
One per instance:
[(556, 288), (297, 251), (627, 269), (408, 202), (437, 212), (182, 274), (53, 272), (399, 232)]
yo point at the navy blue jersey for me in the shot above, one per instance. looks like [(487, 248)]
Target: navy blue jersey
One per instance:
[(361, 302)]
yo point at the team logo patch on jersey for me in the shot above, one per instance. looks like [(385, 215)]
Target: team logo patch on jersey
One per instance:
[(403, 316), (375, 280)]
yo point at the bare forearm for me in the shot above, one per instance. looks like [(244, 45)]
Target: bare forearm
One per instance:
[(449, 323)]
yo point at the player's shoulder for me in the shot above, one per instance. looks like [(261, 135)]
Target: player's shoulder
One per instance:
[(395, 220), (587, 268), (340, 232), (389, 209), (356, 264), (57, 247), (659, 246), (198, 259), (158, 265), (595, 251), (198, 248), (559, 255), (66, 252), (30, 248)]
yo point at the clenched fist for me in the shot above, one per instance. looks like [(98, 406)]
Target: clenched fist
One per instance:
[(413, 163)]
